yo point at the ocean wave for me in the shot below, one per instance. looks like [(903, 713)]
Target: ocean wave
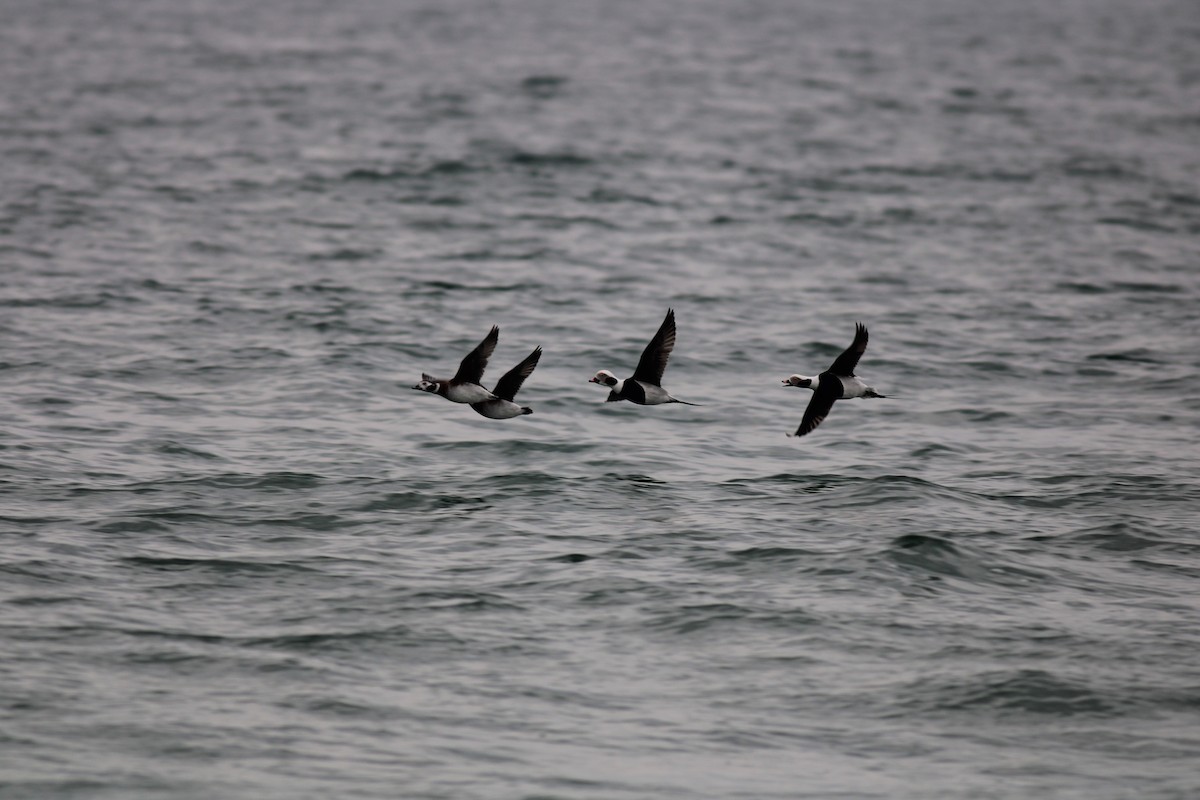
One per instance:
[(1020, 691)]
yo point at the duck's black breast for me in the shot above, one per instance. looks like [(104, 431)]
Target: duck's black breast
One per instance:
[(633, 392), (827, 378)]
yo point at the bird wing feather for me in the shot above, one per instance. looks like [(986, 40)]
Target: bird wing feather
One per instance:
[(472, 366), (508, 386), (828, 390), (846, 363), (654, 358)]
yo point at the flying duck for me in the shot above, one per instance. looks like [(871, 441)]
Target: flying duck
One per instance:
[(503, 407), (644, 388), (836, 383), (464, 386)]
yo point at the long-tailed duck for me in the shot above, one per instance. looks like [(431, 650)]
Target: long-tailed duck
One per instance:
[(464, 386), (836, 383), (506, 389), (644, 388)]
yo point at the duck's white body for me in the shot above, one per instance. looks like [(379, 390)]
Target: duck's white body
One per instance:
[(500, 409), (467, 393), (640, 392), (851, 385)]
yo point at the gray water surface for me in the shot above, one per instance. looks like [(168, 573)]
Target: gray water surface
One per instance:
[(240, 558)]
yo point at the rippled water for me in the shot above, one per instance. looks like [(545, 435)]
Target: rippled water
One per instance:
[(241, 558)]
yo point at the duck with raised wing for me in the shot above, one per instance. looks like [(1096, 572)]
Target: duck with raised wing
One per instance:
[(836, 383), (503, 407), (645, 387), (464, 387)]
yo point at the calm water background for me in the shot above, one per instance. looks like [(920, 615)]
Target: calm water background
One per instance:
[(241, 559)]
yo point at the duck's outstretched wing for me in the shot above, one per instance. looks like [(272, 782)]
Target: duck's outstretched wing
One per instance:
[(848, 361), (654, 358), (828, 391), (508, 386), (472, 367)]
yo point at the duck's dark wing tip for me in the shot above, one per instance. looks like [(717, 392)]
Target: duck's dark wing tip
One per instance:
[(807, 427)]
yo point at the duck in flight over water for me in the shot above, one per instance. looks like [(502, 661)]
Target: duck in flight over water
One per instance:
[(464, 387), (836, 383), (645, 387), (503, 407)]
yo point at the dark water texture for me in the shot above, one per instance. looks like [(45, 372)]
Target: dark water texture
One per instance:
[(239, 558)]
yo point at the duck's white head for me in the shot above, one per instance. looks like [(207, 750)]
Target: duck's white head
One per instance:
[(605, 378), (428, 386), (802, 381)]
